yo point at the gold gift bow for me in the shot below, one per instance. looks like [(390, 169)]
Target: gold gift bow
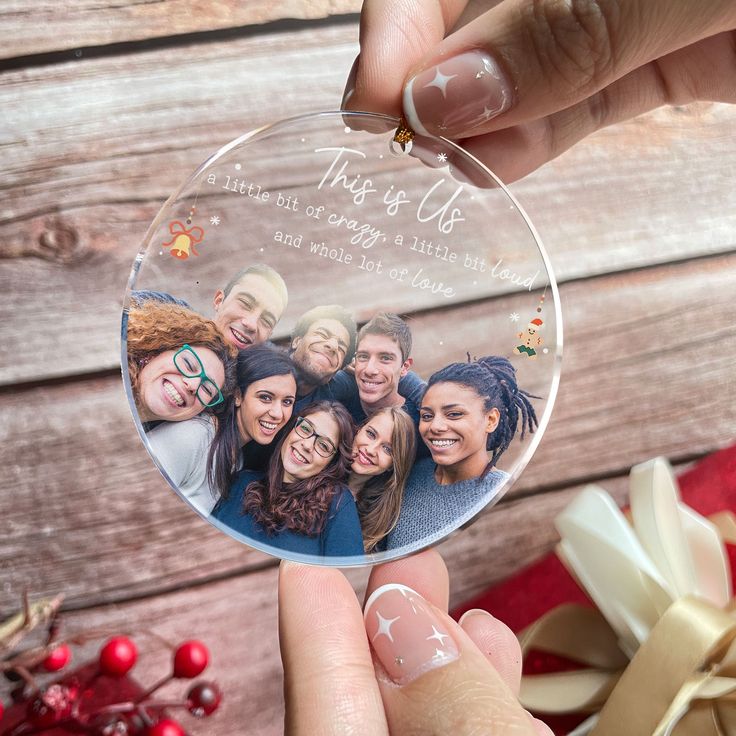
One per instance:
[(681, 680)]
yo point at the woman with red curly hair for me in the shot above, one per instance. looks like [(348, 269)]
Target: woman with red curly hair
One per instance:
[(302, 503), (179, 364)]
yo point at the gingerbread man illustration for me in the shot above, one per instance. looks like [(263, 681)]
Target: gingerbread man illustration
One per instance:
[(530, 339)]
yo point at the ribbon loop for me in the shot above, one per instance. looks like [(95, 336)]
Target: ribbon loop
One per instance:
[(664, 592)]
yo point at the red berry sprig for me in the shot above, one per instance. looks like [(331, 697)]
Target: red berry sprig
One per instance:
[(67, 704), (190, 659), (57, 658), (118, 657), (203, 699)]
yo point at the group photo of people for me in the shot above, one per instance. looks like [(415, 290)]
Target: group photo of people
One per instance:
[(329, 445)]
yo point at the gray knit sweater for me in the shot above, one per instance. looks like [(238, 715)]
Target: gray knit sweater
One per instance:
[(429, 510)]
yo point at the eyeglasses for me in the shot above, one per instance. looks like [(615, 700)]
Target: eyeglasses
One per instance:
[(188, 363), (323, 445)]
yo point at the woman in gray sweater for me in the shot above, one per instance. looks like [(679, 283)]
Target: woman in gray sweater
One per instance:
[(469, 415)]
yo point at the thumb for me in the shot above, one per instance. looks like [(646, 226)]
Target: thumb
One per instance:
[(433, 679), (525, 59)]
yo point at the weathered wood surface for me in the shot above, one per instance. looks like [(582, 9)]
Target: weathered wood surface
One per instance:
[(92, 148), (80, 188), (42, 27), (89, 514), (237, 616)]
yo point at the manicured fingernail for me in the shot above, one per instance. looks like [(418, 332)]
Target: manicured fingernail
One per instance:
[(456, 95), (350, 84), (407, 636), (474, 613)]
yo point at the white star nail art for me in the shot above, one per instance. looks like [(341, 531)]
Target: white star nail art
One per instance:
[(384, 627), (439, 636), (440, 81), (439, 655)]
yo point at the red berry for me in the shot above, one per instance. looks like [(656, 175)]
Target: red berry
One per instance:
[(166, 727), (190, 659), (203, 699), (57, 658), (118, 656), (1, 711)]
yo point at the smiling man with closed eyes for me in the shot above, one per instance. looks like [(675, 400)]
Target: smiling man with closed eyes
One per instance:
[(250, 306)]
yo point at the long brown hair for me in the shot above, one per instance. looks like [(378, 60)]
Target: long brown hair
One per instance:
[(301, 506), (379, 501), (155, 327)]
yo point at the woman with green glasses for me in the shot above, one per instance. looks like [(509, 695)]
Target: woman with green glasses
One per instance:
[(179, 365), (201, 456), (302, 504)]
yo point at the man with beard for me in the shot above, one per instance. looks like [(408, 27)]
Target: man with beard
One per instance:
[(322, 342)]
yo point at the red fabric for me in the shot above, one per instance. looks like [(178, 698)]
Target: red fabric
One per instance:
[(708, 487)]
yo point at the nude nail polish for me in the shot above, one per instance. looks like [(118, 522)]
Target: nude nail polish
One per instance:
[(456, 95), (407, 636)]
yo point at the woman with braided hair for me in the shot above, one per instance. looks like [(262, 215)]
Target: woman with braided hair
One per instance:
[(469, 415)]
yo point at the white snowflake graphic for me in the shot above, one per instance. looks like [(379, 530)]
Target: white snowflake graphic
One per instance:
[(442, 157), (514, 317), (215, 220)]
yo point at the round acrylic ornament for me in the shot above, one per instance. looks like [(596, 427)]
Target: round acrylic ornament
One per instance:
[(281, 248)]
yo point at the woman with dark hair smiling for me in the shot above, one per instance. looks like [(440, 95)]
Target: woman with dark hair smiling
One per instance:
[(383, 454), (469, 415), (201, 456), (262, 405), (302, 503)]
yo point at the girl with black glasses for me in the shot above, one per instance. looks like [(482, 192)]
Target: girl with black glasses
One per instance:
[(302, 504)]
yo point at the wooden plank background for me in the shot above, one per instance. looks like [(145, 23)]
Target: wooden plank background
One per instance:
[(104, 109)]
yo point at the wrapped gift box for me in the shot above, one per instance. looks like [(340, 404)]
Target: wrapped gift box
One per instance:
[(708, 488)]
